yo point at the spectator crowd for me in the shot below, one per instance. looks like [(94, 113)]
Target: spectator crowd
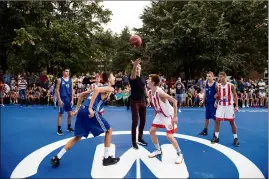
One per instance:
[(40, 89)]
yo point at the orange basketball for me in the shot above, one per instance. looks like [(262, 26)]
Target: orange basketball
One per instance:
[(135, 41)]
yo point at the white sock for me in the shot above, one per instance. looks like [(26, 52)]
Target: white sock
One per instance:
[(106, 155), (54, 104), (61, 153), (157, 146), (235, 135), (217, 134)]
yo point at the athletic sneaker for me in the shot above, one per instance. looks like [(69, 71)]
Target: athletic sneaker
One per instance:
[(155, 153), (236, 142), (179, 158), (179, 110), (215, 140), (110, 161), (60, 132), (142, 142), (55, 161), (70, 129), (135, 146), (204, 132)]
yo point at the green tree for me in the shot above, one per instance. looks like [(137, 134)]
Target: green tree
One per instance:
[(53, 34), (196, 36)]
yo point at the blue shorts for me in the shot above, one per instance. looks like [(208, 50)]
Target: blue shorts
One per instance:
[(179, 98), (86, 125), (67, 105), (210, 111)]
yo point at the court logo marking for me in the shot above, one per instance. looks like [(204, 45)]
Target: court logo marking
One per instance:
[(246, 169)]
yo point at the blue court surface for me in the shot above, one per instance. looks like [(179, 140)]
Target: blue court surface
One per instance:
[(29, 140)]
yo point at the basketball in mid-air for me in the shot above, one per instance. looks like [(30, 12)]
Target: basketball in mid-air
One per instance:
[(135, 41)]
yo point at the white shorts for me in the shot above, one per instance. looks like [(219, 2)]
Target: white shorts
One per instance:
[(160, 121), (225, 113)]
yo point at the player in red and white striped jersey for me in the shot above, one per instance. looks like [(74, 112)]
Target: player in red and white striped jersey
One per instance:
[(165, 116), (225, 107)]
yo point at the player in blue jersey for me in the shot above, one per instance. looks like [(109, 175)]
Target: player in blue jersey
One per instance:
[(64, 91), (211, 89), (89, 120)]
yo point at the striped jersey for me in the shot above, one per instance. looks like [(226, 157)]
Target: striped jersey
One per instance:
[(159, 106), (225, 94)]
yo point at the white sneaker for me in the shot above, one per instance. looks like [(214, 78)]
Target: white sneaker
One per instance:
[(155, 153), (243, 106), (179, 110), (179, 159)]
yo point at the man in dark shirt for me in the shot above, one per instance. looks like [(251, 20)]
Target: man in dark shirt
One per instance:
[(138, 103)]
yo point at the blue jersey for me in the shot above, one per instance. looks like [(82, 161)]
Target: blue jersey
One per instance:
[(210, 93), (66, 88), (98, 104)]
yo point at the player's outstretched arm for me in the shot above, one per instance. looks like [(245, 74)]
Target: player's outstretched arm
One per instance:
[(170, 99), (135, 63)]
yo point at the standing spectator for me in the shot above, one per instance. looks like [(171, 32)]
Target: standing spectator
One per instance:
[(118, 82), (200, 83), (43, 79), (240, 85), (138, 103), (7, 78), (171, 82), (125, 79), (180, 88), (32, 79), (22, 83)]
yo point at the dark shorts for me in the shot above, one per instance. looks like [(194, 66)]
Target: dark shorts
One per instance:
[(67, 105), (210, 111), (86, 125)]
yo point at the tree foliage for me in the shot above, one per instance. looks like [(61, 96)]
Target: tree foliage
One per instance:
[(178, 36), (196, 36)]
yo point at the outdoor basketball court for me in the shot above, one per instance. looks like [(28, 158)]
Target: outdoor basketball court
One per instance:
[(29, 140)]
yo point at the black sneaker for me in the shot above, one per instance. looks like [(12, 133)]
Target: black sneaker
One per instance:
[(236, 142), (110, 161), (142, 142), (203, 133), (55, 161), (215, 140), (70, 129), (135, 146), (60, 132)]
